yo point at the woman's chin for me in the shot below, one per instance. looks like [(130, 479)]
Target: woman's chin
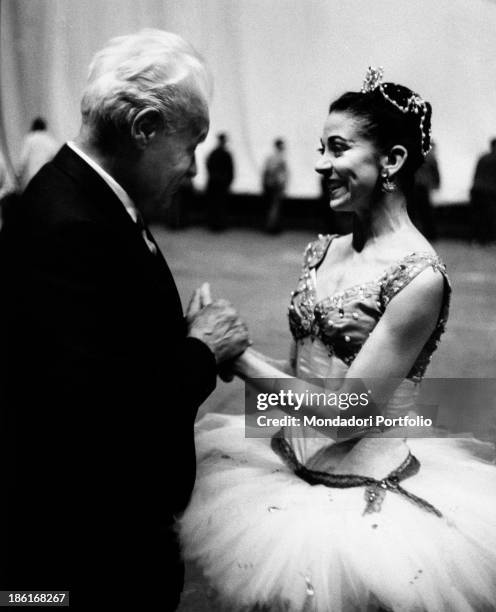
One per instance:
[(340, 204)]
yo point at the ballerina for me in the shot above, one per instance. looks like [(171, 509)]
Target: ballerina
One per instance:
[(306, 521)]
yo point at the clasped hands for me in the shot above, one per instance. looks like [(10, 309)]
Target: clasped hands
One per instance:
[(217, 324)]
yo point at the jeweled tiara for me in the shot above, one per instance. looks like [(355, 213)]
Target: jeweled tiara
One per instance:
[(414, 103)]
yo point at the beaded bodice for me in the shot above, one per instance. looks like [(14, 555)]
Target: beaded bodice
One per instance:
[(344, 321)]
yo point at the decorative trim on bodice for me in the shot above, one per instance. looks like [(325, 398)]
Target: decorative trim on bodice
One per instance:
[(343, 321)]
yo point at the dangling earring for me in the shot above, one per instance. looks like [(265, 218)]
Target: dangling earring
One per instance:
[(387, 185)]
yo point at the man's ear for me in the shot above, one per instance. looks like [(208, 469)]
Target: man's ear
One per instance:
[(145, 127), (394, 160)]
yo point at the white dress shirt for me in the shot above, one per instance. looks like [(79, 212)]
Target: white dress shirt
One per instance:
[(118, 190)]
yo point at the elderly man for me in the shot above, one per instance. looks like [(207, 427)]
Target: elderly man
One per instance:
[(104, 375)]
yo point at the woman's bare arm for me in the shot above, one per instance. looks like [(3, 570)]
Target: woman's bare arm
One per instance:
[(285, 366), (385, 358)]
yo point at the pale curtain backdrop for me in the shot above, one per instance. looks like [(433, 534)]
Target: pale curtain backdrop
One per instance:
[(276, 64)]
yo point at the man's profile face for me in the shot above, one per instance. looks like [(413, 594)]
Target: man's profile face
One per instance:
[(169, 158)]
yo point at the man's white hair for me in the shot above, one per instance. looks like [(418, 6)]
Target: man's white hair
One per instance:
[(149, 69)]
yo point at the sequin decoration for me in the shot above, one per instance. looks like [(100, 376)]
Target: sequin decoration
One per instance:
[(327, 319), (374, 496)]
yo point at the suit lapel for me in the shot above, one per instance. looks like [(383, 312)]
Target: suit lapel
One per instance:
[(105, 207)]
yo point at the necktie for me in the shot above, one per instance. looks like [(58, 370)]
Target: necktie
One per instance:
[(147, 237)]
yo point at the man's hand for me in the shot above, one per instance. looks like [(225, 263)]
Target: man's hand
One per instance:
[(218, 325), (200, 298)]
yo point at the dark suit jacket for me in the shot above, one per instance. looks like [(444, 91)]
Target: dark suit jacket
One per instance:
[(101, 388)]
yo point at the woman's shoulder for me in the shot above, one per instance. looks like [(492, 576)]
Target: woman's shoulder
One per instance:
[(414, 258), (421, 270), (408, 250), (410, 260)]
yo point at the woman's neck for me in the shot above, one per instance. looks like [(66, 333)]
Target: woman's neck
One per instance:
[(387, 216)]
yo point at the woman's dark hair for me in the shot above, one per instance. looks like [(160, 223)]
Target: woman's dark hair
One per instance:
[(386, 125)]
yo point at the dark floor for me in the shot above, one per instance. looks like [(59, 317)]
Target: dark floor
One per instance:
[(257, 273)]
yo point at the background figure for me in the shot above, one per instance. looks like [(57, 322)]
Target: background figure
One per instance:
[(38, 148), (8, 191), (427, 179), (176, 215), (274, 180), (220, 168), (483, 197), (5, 182)]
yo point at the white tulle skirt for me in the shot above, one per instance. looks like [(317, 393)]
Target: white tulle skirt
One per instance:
[(264, 537)]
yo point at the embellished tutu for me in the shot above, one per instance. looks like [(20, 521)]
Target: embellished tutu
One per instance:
[(268, 533), (264, 536)]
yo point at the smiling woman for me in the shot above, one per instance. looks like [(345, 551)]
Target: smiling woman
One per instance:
[(315, 521)]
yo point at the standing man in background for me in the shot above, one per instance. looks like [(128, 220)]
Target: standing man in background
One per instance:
[(274, 182), (483, 197), (220, 168), (8, 192), (427, 179), (102, 374)]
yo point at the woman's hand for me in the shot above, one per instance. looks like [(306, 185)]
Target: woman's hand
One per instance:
[(237, 367)]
